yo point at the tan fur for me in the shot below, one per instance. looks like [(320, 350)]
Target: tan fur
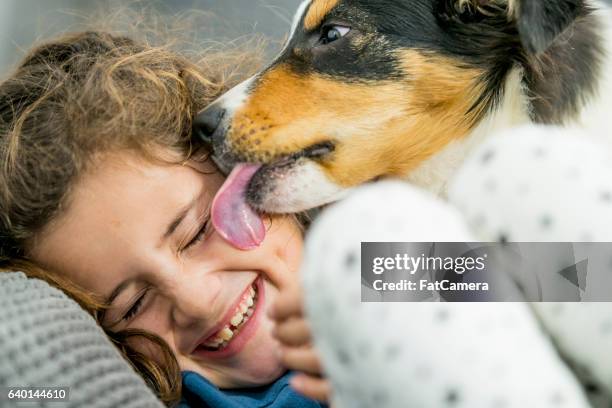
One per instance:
[(380, 128), (317, 12)]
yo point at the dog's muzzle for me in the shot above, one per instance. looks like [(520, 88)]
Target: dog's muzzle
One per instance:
[(208, 125)]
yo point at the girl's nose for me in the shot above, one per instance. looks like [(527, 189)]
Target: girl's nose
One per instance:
[(193, 298)]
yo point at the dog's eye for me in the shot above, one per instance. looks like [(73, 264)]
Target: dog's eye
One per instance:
[(332, 33)]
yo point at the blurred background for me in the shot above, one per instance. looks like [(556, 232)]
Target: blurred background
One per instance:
[(23, 22)]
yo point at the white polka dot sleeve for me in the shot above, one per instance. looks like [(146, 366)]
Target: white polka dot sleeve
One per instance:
[(537, 183), (419, 354), (548, 184)]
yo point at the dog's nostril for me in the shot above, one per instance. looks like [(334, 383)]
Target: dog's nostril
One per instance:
[(207, 122)]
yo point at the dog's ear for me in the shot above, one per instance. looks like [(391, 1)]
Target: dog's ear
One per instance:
[(539, 22), (470, 11)]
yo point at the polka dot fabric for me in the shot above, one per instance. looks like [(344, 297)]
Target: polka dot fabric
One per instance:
[(537, 184), (549, 184), (420, 354)]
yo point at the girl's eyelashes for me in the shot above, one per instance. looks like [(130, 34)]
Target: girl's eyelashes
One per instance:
[(133, 311), (199, 236)]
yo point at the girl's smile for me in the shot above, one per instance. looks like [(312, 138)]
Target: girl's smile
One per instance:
[(237, 327)]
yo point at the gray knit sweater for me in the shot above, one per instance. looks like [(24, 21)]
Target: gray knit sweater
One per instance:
[(47, 339)]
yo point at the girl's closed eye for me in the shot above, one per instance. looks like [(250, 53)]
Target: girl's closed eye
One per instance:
[(200, 234), (137, 305), (135, 308)]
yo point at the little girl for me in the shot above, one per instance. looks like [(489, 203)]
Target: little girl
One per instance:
[(102, 188)]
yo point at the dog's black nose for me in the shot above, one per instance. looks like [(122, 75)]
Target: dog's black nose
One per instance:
[(207, 122)]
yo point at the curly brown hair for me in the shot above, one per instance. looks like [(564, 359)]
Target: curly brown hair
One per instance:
[(80, 96)]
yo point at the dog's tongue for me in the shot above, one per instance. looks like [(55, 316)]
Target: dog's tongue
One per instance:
[(232, 217)]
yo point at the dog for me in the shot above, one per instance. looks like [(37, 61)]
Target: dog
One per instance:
[(366, 89)]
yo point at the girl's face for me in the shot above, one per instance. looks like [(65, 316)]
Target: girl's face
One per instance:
[(138, 233)]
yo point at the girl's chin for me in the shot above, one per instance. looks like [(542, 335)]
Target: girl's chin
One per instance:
[(262, 375), (259, 363), (255, 366)]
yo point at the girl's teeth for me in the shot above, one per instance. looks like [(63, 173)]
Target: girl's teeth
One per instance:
[(213, 343), (216, 340), (226, 333), (237, 319), (244, 312)]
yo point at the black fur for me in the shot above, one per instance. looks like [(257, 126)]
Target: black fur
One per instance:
[(540, 22), (565, 76), (560, 64)]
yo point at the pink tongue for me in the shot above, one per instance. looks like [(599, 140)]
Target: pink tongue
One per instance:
[(231, 215)]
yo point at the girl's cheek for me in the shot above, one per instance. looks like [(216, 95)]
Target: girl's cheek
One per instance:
[(271, 295), (291, 245)]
